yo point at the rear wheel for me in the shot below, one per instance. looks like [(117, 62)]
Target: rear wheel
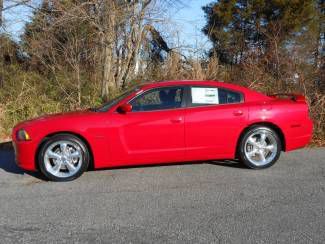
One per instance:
[(260, 147), (63, 157)]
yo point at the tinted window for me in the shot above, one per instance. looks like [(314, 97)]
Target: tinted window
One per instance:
[(227, 96), (116, 100), (213, 95), (159, 99)]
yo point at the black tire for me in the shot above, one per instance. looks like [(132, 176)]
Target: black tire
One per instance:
[(63, 137), (241, 149)]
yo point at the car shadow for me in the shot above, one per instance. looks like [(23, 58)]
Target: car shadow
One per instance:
[(8, 164), (224, 163), (233, 163)]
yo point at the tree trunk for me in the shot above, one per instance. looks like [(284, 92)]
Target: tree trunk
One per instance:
[(1, 58), (78, 84), (108, 84), (133, 43), (277, 64), (1, 8), (107, 44)]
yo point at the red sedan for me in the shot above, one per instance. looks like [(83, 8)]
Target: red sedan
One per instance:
[(161, 122)]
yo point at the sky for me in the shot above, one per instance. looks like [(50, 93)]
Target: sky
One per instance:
[(189, 21), (15, 19), (186, 23)]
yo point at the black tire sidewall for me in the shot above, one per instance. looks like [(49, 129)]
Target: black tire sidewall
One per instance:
[(59, 137), (242, 155)]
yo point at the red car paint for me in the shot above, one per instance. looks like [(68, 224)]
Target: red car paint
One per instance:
[(174, 135)]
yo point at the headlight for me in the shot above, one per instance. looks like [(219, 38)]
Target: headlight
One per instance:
[(22, 135)]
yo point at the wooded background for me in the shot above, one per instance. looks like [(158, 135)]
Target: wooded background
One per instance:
[(75, 54)]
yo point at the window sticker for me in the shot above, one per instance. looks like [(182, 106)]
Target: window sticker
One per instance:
[(204, 95)]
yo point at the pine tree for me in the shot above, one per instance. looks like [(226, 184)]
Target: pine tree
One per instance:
[(239, 27)]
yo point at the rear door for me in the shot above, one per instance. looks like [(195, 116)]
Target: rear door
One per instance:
[(213, 121)]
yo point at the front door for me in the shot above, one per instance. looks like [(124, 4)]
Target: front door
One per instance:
[(153, 131)]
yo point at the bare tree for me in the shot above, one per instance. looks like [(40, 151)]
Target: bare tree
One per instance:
[(120, 32)]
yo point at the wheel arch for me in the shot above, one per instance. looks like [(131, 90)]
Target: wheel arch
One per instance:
[(270, 125), (82, 138)]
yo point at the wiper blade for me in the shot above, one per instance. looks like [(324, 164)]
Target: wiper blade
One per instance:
[(93, 109)]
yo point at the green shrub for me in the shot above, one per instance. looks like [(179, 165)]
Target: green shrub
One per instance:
[(27, 95)]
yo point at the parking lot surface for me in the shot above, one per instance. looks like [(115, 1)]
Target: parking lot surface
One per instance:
[(212, 202)]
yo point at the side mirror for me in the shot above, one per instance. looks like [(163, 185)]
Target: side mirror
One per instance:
[(124, 108)]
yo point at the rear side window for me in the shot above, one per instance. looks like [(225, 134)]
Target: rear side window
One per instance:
[(201, 96), (204, 95), (228, 96)]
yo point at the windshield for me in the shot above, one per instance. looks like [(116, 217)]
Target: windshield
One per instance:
[(106, 106)]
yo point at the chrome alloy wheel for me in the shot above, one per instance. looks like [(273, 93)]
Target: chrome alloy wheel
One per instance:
[(63, 158), (261, 147)]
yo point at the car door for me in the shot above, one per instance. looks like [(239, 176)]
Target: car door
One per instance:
[(153, 131), (213, 122)]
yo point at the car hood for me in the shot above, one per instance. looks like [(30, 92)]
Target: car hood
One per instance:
[(53, 117)]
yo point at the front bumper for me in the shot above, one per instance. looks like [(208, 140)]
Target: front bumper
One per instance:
[(25, 152)]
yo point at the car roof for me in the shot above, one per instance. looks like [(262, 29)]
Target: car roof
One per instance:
[(250, 95)]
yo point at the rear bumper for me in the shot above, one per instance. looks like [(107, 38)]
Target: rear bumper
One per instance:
[(299, 136), (25, 152)]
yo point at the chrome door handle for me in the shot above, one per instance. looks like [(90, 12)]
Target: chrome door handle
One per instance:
[(176, 120), (238, 113)]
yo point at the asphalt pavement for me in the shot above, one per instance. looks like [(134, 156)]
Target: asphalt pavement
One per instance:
[(212, 202)]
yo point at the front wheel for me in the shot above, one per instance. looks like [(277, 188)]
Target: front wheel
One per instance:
[(63, 157), (260, 147)]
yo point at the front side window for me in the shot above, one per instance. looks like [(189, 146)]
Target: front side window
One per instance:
[(159, 99), (107, 106), (201, 96)]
